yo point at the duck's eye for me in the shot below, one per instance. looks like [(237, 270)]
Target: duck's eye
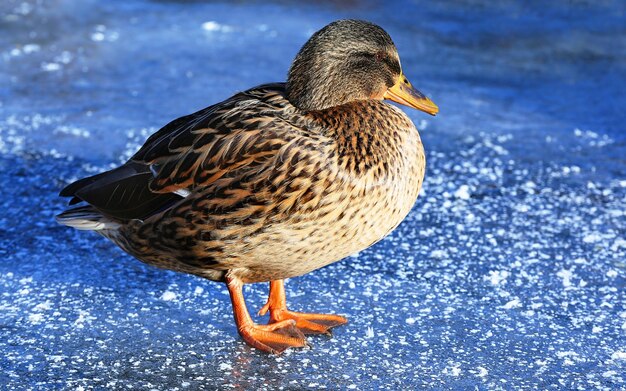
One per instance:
[(380, 56)]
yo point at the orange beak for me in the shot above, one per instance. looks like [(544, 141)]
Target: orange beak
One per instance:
[(403, 92)]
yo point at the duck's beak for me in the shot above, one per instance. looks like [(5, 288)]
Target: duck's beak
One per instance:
[(403, 92)]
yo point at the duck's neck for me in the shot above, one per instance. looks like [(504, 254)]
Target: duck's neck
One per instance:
[(367, 134), (316, 94)]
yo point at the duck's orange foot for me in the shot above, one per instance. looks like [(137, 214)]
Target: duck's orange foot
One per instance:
[(307, 323), (273, 338)]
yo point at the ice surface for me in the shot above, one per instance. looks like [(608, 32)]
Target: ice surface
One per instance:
[(508, 274)]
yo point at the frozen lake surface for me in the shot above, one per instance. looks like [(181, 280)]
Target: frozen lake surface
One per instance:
[(509, 273)]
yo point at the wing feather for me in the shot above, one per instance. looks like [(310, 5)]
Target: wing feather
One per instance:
[(191, 153), (225, 138)]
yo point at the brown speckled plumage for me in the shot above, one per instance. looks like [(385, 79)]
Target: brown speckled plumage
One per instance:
[(258, 188), (304, 190)]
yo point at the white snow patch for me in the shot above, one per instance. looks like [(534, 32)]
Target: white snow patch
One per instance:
[(497, 277), (83, 317), (592, 238), (35, 318), (31, 48), (438, 254), (569, 357), (168, 296), (102, 34), (46, 305), (72, 131), (566, 275), (522, 208), (618, 356), (515, 303), (214, 26), (619, 243), (463, 192), (98, 36), (225, 366), (454, 369), (50, 66)]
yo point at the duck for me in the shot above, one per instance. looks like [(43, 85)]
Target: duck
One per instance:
[(274, 182)]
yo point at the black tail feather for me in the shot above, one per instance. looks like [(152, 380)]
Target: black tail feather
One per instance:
[(123, 193)]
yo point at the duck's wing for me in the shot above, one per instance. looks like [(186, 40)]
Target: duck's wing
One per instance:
[(189, 153), (226, 137)]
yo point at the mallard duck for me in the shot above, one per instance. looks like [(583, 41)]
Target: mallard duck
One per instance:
[(274, 182)]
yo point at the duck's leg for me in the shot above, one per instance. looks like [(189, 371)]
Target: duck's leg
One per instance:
[(273, 338), (307, 323)]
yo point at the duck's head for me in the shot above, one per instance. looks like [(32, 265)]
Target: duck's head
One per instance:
[(350, 60)]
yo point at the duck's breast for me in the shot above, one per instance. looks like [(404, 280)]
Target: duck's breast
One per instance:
[(363, 187)]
